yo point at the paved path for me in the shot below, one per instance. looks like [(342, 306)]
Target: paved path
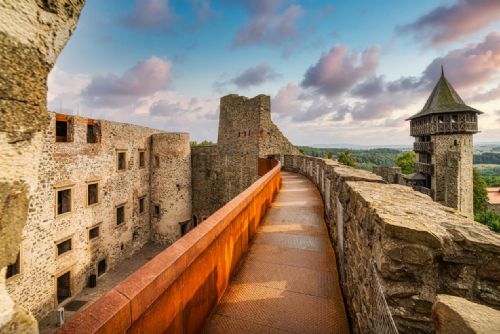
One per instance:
[(288, 283)]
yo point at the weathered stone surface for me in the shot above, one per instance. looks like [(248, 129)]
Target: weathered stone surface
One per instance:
[(454, 315), (76, 164), (32, 33), (246, 133), (415, 247)]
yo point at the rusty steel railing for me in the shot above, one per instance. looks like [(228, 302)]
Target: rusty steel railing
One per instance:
[(176, 291)]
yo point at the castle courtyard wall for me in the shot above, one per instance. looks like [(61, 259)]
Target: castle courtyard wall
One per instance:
[(74, 165)]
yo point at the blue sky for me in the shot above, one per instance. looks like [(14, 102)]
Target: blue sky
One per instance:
[(337, 71)]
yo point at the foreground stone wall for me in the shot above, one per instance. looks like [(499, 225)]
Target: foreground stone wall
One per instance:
[(246, 133), (416, 248), (73, 165), (32, 34)]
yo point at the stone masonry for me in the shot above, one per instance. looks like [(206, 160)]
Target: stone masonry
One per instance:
[(156, 172), (415, 247), (32, 34), (246, 133)]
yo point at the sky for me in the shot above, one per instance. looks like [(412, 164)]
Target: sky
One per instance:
[(338, 72)]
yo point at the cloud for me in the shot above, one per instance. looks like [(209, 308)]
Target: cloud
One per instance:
[(201, 9), (472, 65), (337, 71), (145, 78), (267, 25), (286, 100), (150, 15), (369, 88), (255, 76), (446, 24), (490, 95), (64, 83)]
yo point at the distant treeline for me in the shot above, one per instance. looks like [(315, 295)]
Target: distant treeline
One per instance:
[(366, 159), (487, 158)]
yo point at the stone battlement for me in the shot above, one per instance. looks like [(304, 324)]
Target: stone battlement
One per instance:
[(415, 247)]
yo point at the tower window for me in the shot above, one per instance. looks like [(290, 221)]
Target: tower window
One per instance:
[(14, 268), (63, 129), (454, 118), (157, 161), (120, 215), (142, 159), (157, 211), (101, 267), (142, 204), (455, 142), (92, 194), (94, 233), (63, 201), (121, 160), (93, 131), (63, 287), (440, 119), (63, 247)]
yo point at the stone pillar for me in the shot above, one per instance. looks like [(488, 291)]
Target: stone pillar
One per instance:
[(32, 34), (170, 186)]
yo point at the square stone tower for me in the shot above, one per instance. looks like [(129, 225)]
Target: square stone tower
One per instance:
[(443, 132)]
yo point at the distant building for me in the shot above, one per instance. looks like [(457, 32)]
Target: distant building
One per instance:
[(494, 199), (443, 132)]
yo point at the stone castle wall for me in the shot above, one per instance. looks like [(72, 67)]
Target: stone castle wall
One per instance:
[(246, 133), (76, 164), (416, 248), (452, 181), (170, 185)]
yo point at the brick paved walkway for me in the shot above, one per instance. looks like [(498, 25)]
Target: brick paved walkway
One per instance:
[(288, 283)]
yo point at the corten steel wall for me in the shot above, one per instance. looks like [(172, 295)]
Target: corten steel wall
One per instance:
[(417, 248), (176, 291)]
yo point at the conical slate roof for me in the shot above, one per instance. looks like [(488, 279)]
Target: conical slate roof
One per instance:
[(444, 99)]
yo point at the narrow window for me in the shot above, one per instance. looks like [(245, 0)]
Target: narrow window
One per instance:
[(142, 159), (184, 229), (440, 119), (63, 287), (157, 161), (195, 221), (454, 118), (63, 247), (63, 201), (14, 268), (63, 129), (101, 267), (94, 233), (120, 215), (157, 211), (92, 193), (121, 160), (93, 131), (142, 201), (455, 142)]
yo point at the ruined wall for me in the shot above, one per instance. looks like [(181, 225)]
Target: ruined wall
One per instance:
[(74, 165), (170, 185), (246, 133), (32, 33), (452, 180), (416, 248), (392, 175)]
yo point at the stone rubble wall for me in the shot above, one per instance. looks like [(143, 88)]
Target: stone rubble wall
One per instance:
[(170, 185), (77, 163), (246, 133), (417, 248), (32, 34)]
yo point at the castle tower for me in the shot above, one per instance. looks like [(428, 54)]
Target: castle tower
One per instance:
[(443, 132), (170, 182)]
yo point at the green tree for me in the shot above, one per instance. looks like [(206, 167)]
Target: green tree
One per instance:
[(407, 162), (347, 158), (480, 195), (490, 219), (327, 155)]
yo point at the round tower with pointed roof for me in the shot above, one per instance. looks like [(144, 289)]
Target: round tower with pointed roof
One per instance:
[(443, 132)]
